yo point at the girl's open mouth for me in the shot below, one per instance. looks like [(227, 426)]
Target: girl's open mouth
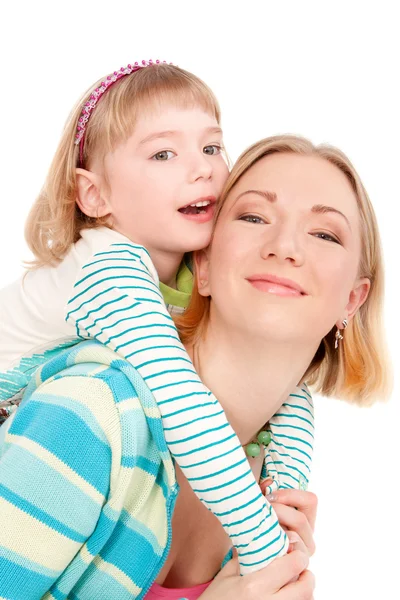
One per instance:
[(200, 212), (198, 208)]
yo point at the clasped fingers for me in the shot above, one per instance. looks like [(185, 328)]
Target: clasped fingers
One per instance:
[(294, 520)]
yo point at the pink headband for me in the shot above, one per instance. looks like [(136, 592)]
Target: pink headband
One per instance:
[(97, 94)]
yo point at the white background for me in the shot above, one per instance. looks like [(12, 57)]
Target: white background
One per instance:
[(327, 70)]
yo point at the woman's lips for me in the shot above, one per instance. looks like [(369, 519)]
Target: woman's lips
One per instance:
[(276, 285)]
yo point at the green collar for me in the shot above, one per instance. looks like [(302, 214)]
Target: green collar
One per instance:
[(184, 285)]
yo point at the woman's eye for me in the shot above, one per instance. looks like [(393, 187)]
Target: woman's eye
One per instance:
[(163, 155), (326, 236), (211, 150), (252, 219)]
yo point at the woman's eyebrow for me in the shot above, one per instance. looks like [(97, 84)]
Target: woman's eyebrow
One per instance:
[(272, 197), (322, 209)]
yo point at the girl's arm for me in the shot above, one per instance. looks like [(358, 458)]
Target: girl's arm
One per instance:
[(116, 300), (288, 457)]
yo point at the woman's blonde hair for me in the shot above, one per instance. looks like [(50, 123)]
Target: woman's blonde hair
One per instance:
[(359, 370), (55, 221)]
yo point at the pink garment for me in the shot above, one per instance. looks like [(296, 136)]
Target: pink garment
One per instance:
[(191, 593)]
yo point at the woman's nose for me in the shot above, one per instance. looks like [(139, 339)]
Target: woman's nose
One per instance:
[(283, 244)]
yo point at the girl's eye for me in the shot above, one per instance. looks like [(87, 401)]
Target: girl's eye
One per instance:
[(211, 150), (326, 236), (163, 155), (252, 219)]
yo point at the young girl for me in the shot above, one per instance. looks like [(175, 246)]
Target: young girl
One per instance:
[(132, 189)]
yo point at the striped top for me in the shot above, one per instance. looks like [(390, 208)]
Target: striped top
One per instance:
[(87, 484), (115, 298)]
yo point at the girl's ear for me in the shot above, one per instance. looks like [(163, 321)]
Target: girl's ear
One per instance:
[(202, 264), (89, 195)]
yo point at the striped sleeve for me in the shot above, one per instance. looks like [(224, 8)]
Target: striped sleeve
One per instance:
[(51, 491), (117, 300), (288, 457)]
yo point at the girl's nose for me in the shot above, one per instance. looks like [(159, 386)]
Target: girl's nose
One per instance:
[(201, 168)]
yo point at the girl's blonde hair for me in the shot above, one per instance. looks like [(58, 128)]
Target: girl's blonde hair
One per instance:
[(359, 370), (55, 220)]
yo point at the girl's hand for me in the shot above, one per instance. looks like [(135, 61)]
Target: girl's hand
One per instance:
[(302, 520), (286, 578)]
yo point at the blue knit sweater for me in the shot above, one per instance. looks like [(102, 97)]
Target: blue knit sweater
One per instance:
[(87, 483)]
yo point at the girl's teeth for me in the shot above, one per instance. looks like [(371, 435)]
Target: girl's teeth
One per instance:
[(199, 204)]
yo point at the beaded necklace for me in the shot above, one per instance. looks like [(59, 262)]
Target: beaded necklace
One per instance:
[(253, 449)]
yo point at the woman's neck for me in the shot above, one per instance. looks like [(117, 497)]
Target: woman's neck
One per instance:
[(250, 377)]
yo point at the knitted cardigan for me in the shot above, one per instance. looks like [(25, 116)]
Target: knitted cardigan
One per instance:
[(87, 483)]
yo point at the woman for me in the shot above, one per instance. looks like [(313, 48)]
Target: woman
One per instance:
[(296, 252)]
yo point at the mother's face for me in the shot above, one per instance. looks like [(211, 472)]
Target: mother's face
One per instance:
[(289, 217)]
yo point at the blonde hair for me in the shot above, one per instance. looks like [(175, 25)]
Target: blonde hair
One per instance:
[(55, 221), (359, 370)]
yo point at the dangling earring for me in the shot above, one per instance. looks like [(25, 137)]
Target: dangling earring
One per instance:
[(338, 335)]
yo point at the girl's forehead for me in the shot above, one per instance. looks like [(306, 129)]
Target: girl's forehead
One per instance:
[(169, 117), (159, 110)]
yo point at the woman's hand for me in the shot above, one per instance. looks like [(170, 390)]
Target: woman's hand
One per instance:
[(286, 578), (302, 520)]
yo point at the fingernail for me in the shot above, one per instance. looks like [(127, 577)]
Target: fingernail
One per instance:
[(271, 497), (293, 537), (293, 540)]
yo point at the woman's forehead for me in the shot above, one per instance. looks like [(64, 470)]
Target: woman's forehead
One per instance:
[(290, 177)]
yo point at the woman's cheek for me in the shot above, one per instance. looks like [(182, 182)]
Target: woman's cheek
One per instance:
[(225, 249), (336, 279)]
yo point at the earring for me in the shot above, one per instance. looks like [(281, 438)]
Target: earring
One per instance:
[(338, 335)]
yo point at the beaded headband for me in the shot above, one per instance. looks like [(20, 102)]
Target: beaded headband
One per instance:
[(95, 96)]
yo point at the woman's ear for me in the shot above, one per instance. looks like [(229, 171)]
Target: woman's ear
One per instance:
[(202, 263), (89, 195), (357, 297)]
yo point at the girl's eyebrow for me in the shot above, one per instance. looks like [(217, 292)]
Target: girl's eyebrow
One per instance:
[(317, 208), (174, 133), (157, 135)]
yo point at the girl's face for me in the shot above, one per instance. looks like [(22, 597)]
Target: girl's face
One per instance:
[(285, 256), (172, 161)]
